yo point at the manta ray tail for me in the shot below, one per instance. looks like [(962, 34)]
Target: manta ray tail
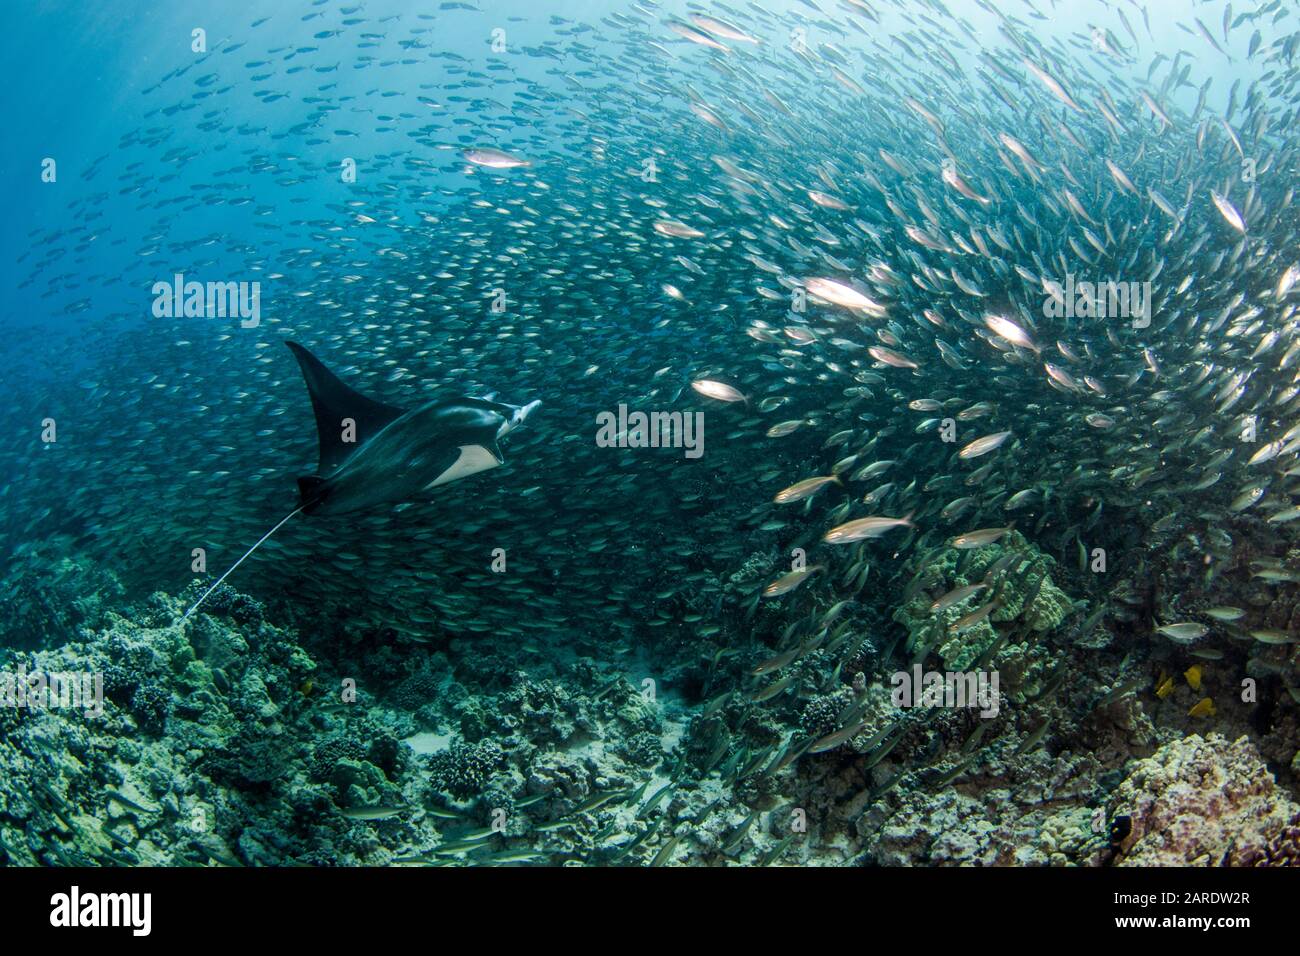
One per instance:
[(260, 540)]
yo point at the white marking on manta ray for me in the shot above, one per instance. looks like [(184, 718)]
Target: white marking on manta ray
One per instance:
[(472, 460)]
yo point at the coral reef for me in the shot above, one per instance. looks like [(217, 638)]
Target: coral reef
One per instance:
[(1207, 802), (236, 739), (1013, 573), (464, 769)]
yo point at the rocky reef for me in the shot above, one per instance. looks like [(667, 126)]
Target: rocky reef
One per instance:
[(1208, 802), (239, 739)]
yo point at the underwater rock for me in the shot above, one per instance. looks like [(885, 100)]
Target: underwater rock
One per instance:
[(47, 596), (359, 784), (1207, 802)]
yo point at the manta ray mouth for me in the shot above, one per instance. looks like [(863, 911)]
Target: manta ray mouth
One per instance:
[(520, 413)]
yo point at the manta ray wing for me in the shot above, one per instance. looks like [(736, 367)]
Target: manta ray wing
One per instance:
[(333, 402)]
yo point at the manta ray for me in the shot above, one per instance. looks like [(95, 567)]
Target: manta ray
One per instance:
[(372, 453)]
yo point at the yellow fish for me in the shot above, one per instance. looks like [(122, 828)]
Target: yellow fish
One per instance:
[(1193, 675), (1164, 686), (1203, 708)]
